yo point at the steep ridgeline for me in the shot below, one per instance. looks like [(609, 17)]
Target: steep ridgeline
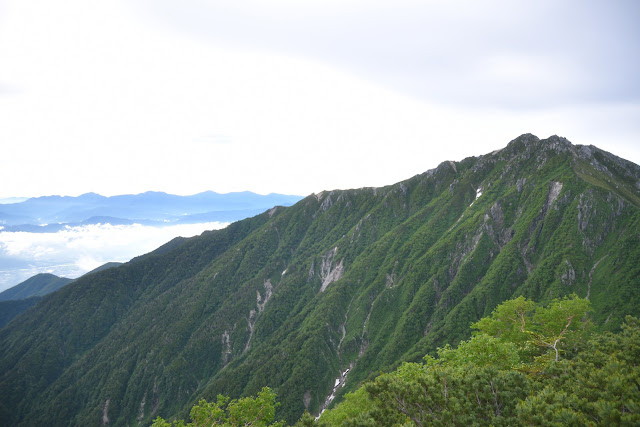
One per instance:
[(312, 299)]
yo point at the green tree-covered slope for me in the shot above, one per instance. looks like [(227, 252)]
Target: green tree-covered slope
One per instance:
[(17, 299), (36, 286), (11, 308), (313, 299)]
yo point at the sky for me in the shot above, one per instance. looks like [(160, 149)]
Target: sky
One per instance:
[(297, 97)]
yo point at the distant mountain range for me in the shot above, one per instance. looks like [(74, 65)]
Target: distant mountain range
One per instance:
[(28, 246), (313, 299), (53, 213)]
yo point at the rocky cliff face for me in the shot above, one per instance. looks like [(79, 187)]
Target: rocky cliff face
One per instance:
[(313, 299)]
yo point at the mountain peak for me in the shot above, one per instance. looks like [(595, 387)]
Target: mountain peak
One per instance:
[(554, 142), (526, 138)]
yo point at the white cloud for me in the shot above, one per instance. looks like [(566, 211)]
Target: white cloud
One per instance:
[(76, 250), (88, 262), (298, 97)]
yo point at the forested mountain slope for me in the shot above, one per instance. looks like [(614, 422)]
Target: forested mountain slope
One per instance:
[(17, 299), (314, 298), (36, 286)]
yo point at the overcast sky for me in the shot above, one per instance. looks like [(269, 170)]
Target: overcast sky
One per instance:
[(300, 96)]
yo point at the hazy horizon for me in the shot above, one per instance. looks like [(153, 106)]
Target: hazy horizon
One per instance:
[(18, 199), (301, 97)]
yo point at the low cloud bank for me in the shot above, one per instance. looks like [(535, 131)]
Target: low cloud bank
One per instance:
[(77, 250)]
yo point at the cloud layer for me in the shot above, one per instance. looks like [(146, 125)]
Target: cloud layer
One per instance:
[(77, 250)]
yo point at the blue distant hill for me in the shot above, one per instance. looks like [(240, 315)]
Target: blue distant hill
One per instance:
[(52, 213)]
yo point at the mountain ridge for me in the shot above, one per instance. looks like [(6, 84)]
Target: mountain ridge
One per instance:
[(38, 285), (336, 288)]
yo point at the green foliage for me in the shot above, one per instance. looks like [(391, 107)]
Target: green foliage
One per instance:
[(600, 385), (480, 350), (509, 322), (10, 309), (249, 411), (560, 325), (442, 395), (354, 409)]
